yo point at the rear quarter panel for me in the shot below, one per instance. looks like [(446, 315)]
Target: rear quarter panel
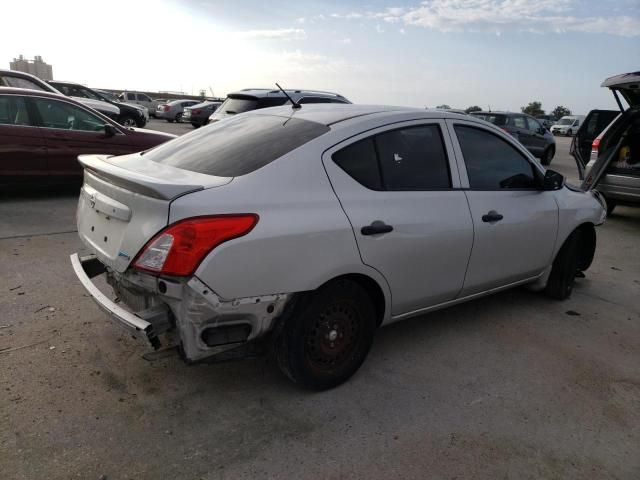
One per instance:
[(302, 240)]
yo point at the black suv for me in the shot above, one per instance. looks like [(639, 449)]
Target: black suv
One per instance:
[(130, 115), (529, 131)]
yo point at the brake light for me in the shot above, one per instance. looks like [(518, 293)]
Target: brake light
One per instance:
[(595, 146), (179, 248), (197, 111)]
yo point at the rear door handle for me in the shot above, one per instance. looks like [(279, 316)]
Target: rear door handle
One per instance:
[(376, 228), (492, 216)]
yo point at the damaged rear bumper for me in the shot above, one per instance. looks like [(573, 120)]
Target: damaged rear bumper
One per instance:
[(206, 324), (88, 267)]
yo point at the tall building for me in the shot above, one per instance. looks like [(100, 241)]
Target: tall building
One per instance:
[(35, 67)]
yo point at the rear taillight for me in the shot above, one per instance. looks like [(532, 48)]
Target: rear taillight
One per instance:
[(197, 111), (595, 146), (164, 108), (179, 248)]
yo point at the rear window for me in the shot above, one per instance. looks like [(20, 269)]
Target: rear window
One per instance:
[(499, 120), (236, 146)]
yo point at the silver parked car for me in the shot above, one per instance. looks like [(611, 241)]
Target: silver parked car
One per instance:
[(310, 228), (173, 110)]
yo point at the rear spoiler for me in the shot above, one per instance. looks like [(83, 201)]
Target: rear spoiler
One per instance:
[(135, 181)]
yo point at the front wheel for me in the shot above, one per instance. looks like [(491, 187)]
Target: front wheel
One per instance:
[(128, 121), (565, 268), (327, 336), (547, 156)]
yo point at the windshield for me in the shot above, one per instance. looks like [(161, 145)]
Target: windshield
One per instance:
[(238, 105), (236, 146), (566, 121)]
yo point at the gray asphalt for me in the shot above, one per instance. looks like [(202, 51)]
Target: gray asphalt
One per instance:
[(512, 386)]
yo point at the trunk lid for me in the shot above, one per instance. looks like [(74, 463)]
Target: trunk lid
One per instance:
[(628, 84), (125, 201)]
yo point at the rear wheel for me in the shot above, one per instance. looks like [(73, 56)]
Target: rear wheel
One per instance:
[(327, 336), (565, 268), (178, 117), (195, 125), (547, 156)]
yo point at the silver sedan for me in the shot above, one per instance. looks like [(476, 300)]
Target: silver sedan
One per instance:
[(306, 229)]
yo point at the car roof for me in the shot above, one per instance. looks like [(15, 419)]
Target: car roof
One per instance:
[(331, 113)]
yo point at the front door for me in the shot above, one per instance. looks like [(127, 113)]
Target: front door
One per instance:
[(398, 188), (22, 147), (69, 131), (515, 223)]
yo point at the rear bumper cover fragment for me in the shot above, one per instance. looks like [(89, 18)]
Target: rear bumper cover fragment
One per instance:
[(88, 267)]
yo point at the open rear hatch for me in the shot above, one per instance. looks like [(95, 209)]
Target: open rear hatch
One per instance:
[(628, 86), (125, 201)]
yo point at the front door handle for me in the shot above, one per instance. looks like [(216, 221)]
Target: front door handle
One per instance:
[(376, 227), (492, 216)]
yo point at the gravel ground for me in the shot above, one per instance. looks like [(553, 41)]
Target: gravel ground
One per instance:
[(511, 386)]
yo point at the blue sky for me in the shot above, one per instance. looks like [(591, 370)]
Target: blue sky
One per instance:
[(498, 53)]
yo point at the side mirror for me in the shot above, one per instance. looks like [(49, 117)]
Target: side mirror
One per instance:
[(552, 181), (109, 130)]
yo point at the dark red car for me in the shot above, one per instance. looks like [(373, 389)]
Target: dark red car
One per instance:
[(42, 134)]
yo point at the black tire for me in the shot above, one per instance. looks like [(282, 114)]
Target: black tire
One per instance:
[(565, 267), (547, 156), (327, 335), (169, 120), (195, 125), (178, 117), (128, 121), (611, 205)]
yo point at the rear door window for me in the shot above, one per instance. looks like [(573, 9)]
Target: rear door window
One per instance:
[(237, 146), (534, 126), (412, 158), (18, 82), (13, 111), (518, 122), (492, 163)]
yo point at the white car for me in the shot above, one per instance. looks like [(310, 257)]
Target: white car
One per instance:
[(312, 227), (567, 125)]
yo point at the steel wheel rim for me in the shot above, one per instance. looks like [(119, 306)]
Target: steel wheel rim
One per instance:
[(129, 122), (333, 337)]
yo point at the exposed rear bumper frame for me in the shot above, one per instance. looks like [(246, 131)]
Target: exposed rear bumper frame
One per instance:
[(88, 267)]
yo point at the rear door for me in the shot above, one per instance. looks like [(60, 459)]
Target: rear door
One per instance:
[(69, 131), (22, 147), (537, 142), (398, 185), (515, 223), (594, 123), (519, 129)]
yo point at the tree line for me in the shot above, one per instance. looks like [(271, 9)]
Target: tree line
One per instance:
[(534, 109)]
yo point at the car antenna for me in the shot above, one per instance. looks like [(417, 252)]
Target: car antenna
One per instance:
[(295, 105)]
